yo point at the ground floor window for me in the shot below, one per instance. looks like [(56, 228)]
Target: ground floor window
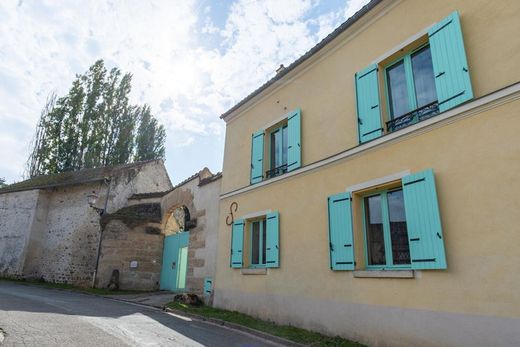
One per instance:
[(386, 232), (258, 243)]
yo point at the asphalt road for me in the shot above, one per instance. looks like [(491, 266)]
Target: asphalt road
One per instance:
[(35, 316)]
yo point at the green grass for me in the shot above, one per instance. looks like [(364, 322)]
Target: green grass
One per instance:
[(97, 291), (285, 331)]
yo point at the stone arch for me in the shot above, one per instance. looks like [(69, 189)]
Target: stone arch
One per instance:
[(173, 202), (177, 220)]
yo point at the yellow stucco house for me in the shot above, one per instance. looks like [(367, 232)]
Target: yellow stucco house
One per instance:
[(371, 189)]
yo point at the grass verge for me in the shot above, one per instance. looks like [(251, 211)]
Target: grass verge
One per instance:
[(285, 331), (97, 291)]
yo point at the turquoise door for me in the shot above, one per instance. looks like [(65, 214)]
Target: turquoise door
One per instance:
[(175, 262)]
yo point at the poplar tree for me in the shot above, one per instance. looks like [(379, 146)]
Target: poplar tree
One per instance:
[(94, 125)]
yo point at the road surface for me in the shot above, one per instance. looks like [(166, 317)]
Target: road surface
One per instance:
[(36, 316)]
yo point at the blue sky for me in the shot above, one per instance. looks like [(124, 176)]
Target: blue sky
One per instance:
[(191, 61)]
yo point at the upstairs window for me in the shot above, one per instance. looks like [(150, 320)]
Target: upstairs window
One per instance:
[(432, 78), (278, 151), (410, 86)]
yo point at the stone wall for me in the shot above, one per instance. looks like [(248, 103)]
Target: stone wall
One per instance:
[(202, 202), (17, 213), (52, 234), (63, 248), (123, 245)]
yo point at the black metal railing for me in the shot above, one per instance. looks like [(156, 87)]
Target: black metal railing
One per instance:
[(415, 116), (276, 171)]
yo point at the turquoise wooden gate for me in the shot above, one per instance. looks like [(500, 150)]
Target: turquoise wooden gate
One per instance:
[(175, 262)]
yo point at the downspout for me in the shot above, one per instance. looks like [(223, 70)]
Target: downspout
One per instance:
[(101, 213)]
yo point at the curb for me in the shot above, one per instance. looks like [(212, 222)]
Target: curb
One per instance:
[(258, 333), (272, 338)]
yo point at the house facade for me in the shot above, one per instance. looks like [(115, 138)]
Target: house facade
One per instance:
[(371, 187)]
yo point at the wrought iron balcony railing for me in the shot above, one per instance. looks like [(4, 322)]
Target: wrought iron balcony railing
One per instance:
[(415, 116), (276, 171)]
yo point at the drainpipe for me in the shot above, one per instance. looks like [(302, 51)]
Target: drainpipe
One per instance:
[(101, 212)]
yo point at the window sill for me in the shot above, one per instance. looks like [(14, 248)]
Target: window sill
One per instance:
[(384, 274), (258, 271)]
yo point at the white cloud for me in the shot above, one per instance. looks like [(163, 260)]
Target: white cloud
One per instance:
[(188, 84), (353, 6)]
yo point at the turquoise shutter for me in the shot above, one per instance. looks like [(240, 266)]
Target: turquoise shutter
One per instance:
[(237, 243), (272, 240), (294, 150), (367, 101), (341, 245), (450, 66), (257, 157), (423, 221), (208, 286)]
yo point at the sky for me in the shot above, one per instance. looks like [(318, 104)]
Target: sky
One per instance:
[(191, 60)]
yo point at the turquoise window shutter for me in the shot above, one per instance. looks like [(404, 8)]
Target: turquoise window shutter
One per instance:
[(450, 66), (257, 157), (272, 247), (341, 241), (294, 150), (237, 244), (208, 286), (367, 101), (423, 221)]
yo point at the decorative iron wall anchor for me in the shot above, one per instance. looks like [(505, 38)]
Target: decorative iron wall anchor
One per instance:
[(230, 218)]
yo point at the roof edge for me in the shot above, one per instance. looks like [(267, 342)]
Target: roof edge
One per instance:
[(324, 42)]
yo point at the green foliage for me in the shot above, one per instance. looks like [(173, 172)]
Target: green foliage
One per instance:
[(94, 125), (2, 182), (288, 332)]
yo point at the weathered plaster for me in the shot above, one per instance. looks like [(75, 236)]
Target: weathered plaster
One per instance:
[(17, 211)]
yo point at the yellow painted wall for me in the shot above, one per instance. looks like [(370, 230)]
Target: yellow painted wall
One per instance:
[(476, 161), (478, 190), (325, 91)]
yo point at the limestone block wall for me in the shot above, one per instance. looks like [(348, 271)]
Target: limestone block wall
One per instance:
[(123, 245), (17, 212)]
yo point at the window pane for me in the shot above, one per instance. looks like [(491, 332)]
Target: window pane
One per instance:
[(423, 77), (263, 240), (284, 147), (397, 90), (374, 228), (275, 149), (398, 230), (255, 243)]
